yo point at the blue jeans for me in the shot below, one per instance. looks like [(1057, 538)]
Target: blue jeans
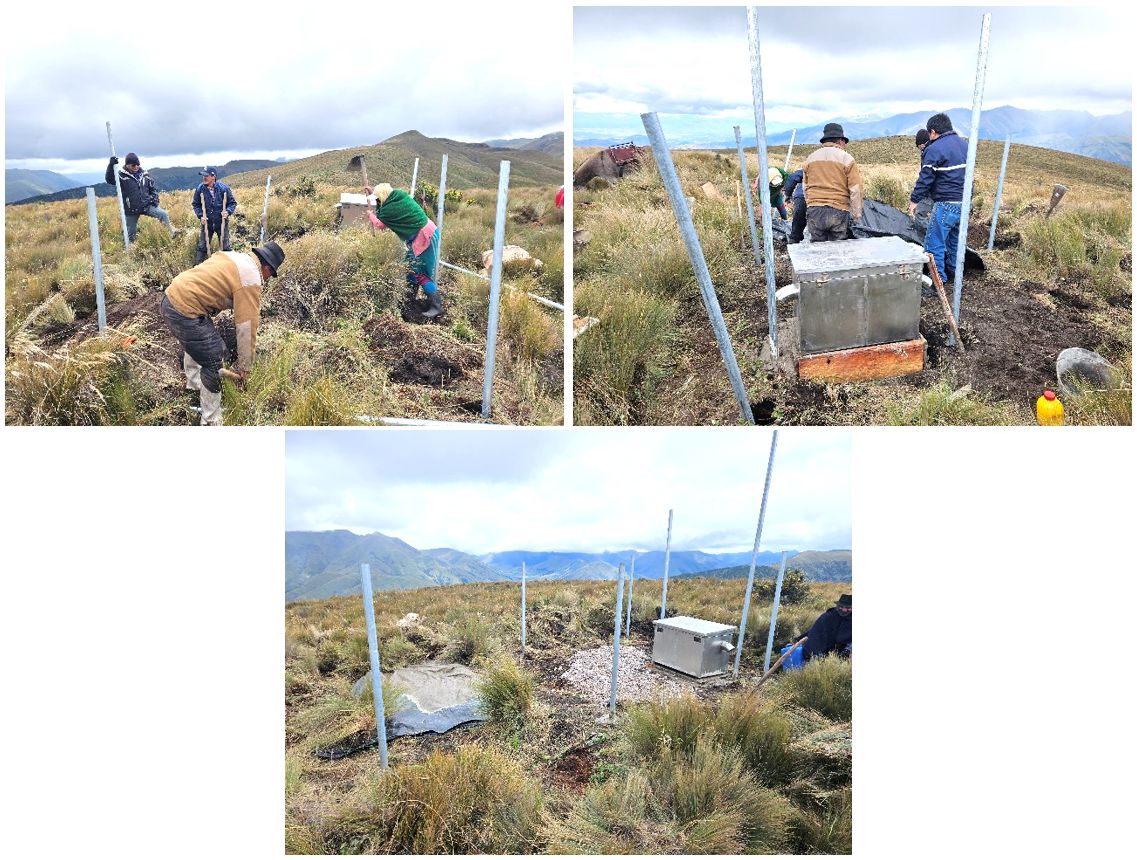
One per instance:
[(942, 238), (153, 212)]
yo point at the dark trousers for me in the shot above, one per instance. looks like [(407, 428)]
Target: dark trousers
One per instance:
[(827, 223), (200, 339), (797, 228), (203, 242)]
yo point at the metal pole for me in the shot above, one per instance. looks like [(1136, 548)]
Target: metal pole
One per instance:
[(754, 556), (666, 566), (522, 609), (118, 189), (414, 178), (495, 286), (97, 254), (264, 212), (774, 614), (631, 588), (790, 151), (616, 638), (695, 254), (376, 675), (749, 198), (763, 168), (969, 172), (999, 193), (441, 209)]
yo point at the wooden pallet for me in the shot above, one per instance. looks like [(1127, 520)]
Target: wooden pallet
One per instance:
[(879, 361)]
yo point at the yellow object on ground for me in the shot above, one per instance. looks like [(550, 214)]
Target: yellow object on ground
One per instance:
[(1049, 410)]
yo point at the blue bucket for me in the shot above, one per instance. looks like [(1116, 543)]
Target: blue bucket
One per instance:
[(794, 661)]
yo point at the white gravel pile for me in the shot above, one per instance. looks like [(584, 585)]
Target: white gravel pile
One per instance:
[(591, 673)]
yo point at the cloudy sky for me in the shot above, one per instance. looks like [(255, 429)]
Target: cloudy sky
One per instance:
[(822, 63), (591, 489), (186, 85)]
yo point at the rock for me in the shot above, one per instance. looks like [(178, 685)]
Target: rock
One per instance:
[(599, 183), (513, 258), (1080, 369), (710, 192), (580, 238), (411, 619)]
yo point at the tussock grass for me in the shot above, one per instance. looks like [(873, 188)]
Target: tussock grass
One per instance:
[(1104, 407), (824, 684), (1082, 244), (506, 692), (940, 405)]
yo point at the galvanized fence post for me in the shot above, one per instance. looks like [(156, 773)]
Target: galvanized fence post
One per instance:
[(747, 195), (441, 209), (264, 212), (999, 193), (763, 179), (118, 190), (754, 557), (414, 179), (631, 588), (97, 254), (373, 649), (495, 287), (969, 172), (695, 254), (666, 566), (616, 638), (774, 614), (522, 609), (790, 151)]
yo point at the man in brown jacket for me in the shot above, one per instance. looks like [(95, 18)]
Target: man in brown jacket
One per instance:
[(832, 187), (228, 279)]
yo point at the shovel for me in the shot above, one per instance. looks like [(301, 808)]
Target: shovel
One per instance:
[(943, 300)]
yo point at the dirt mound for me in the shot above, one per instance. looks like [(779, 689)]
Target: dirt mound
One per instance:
[(420, 355), (144, 312)]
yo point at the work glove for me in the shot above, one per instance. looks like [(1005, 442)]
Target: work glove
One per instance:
[(114, 160)]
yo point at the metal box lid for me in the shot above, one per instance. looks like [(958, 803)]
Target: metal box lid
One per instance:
[(815, 258), (698, 626), (348, 198)]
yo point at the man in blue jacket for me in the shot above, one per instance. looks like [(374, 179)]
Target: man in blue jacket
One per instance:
[(942, 167), (213, 203), (795, 190)]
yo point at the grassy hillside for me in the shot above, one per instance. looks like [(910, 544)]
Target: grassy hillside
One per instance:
[(1049, 284), (338, 337), (717, 768)]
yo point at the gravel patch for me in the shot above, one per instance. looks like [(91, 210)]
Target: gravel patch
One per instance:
[(591, 673)]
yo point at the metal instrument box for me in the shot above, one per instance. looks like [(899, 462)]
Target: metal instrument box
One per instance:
[(858, 292), (693, 646)]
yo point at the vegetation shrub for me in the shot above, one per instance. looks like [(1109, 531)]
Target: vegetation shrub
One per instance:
[(825, 825), (888, 189), (506, 692), (824, 684), (470, 801), (944, 405), (761, 732), (525, 325), (470, 637)]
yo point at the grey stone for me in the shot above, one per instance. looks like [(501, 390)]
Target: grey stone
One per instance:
[(1080, 369)]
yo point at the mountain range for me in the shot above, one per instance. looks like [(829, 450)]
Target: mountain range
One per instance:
[(1108, 138), (326, 564)]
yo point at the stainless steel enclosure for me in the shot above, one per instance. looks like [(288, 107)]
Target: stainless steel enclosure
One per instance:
[(693, 646), (858, 292)]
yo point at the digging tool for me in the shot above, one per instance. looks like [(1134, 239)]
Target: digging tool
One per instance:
[(363, 165), (780, 660), (222, 228), (204, 222), (264, 212), (943, 300), (231, 374)]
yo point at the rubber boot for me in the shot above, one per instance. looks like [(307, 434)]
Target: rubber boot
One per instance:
[(435, 305), (210, 408), (193, 372)]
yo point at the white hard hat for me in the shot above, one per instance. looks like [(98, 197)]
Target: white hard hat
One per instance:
[(775, 176)]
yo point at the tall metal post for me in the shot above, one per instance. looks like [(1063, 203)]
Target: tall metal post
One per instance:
[(754, 557), (774, 614), (748, 196), (441, 209), (790, 151), (414, 179), (631, 588), (97, 254), (118, 190), (999, 193), (969, 173), (763, 181), (264, 212), (695, 254), (522, 609), (666, 566), (373, 649), (495, 284), (616, 638)]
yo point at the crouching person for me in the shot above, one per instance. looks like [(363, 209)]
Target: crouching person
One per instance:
[(226, 280)]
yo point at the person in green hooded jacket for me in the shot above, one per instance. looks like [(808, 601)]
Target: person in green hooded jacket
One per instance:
[(397, 211)]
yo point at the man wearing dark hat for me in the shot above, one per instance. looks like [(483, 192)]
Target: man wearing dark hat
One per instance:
[(213, 203), (139, 194), (226, 280), (942, 168), (832, 632), (833, 187)]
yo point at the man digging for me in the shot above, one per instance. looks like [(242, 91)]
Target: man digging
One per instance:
[(227, 279)]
